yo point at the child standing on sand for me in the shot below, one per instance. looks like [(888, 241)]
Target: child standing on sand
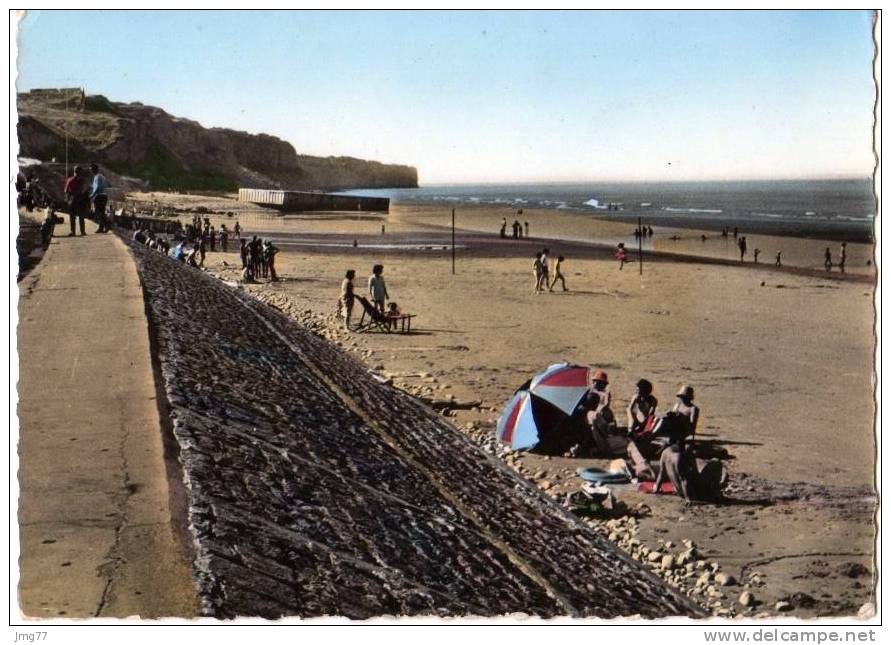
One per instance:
[(827, 259), (558, 275), (536, 272), (347, 298), (377, 288), (620, 255), (545, 270), (842, 257), (779, 258)]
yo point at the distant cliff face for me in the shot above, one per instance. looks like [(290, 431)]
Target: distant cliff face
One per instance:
[(171, 153)]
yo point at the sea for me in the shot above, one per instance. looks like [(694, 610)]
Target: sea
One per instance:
[(832, 209)]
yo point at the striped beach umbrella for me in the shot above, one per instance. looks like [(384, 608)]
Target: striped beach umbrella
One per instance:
[(542, 404)]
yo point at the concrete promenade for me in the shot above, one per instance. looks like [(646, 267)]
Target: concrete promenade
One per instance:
[(97, 534)]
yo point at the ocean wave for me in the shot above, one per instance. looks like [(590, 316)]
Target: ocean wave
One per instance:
[(692, 210), (853, 218), (645, 204), (771, 215), (595, 203)]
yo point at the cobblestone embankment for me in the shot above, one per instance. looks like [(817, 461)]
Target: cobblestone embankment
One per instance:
[(317, 490)]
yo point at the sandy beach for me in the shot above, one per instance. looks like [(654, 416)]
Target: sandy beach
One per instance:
[(781, 360)]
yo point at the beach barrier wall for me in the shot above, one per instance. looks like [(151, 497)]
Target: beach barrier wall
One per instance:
[(299, 201)]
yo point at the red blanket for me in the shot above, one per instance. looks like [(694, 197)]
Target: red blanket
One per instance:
[(664, 487)]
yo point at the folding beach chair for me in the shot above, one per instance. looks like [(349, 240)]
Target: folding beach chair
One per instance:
[(375, 319), (381, 322)]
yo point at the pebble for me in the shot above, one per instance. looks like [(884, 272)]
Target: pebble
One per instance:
[(725, 580), (667, 562), (746, 599), (782, 605)]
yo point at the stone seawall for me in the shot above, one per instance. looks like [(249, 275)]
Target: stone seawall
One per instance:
[(317, 490)]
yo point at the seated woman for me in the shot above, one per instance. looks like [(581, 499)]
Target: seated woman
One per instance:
[(604, 435), (682, 419), (642, 409)]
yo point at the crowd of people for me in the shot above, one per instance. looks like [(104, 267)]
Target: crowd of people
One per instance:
[(257, 259), (191, 247)]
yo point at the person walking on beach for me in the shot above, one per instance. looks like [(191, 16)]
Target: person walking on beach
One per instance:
[(526, 225), (213, 239), (516, 229), (244, 254), (377, 288), (503, 227), (536, 272), (742, 248), (558, 275), (77, 198), (827, 259), (224, 238), (347, 298), (99, 199), (545, 270), (755, 254), (735, 232), (779, 261), (237, 230), (620, 255), (842, 257)]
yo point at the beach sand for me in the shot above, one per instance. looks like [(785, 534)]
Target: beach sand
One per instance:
[(781, 360)]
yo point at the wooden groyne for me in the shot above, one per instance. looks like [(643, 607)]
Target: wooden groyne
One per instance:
[(293, 201)]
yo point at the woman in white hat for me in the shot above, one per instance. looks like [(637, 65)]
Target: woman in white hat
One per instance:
[(685, 407)]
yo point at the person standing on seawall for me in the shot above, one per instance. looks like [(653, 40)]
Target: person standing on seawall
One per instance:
[(99, 199)]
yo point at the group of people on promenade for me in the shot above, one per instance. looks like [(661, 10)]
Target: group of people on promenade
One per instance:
[(541, 272), (85, 196), (377, 295), (646, 436)]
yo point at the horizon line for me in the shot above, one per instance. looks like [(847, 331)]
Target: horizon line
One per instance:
[(564, 182)]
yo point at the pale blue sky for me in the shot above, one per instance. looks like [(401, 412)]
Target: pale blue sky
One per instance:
[(495, 96)]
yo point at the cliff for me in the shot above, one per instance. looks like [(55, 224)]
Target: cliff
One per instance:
[(167, 152)]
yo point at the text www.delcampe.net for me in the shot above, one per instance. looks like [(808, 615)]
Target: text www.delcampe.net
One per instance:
[(790, 636)]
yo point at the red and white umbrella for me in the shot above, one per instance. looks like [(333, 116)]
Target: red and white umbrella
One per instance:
[(542, 404)]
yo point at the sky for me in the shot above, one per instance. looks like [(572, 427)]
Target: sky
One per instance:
[(495, 96)]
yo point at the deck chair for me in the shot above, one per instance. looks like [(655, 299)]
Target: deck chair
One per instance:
[(380, 322), (375, 319)]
